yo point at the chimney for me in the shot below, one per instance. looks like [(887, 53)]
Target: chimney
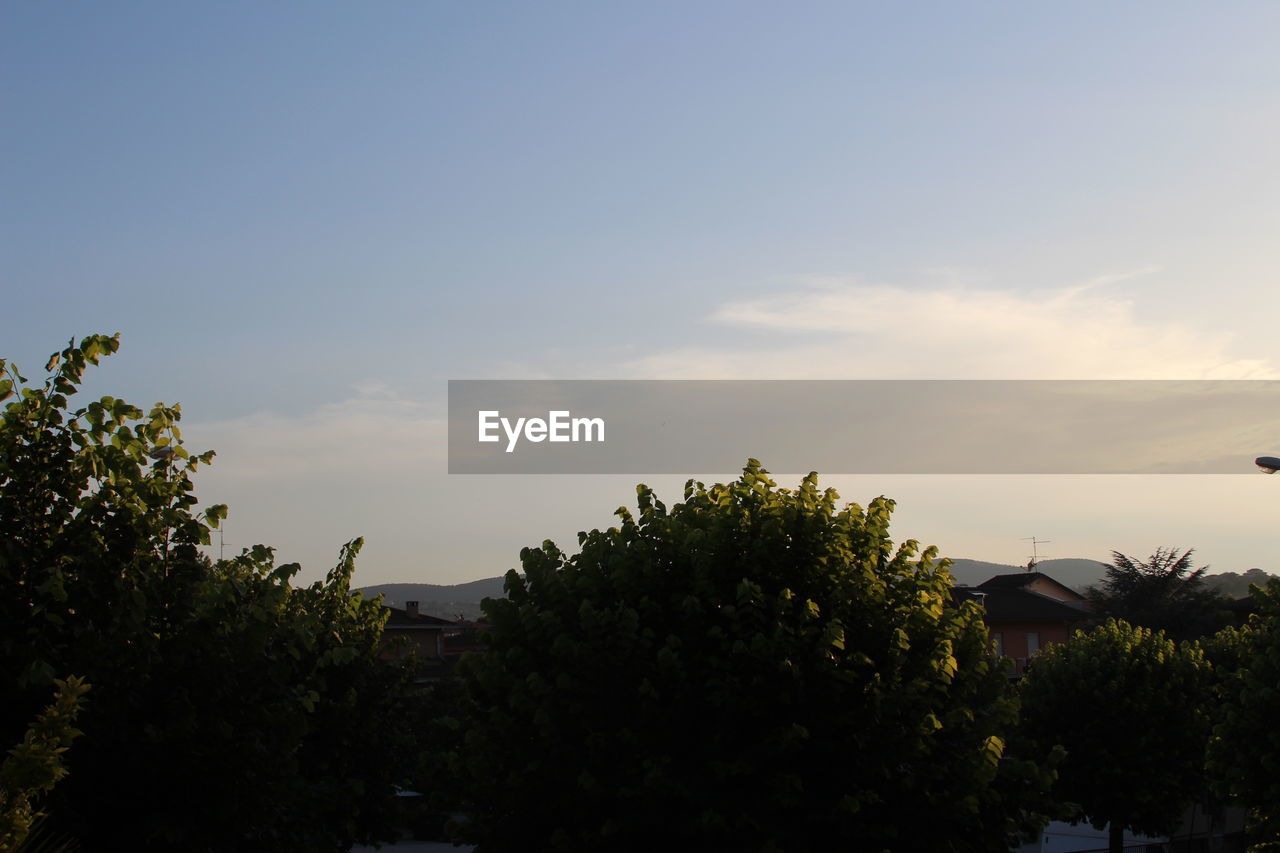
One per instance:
[(411, 607)]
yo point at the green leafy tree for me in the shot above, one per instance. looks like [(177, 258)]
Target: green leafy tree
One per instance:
[(231, 711), (1163, 593), (754, 668), (1244, 753), (1129, 706), (35, 765)]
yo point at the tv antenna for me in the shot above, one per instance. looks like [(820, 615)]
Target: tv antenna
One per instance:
[(1035, 551), (222, 539)]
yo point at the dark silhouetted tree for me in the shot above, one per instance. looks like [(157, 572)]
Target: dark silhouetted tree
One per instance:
[(1244, 754), (1163, 593)]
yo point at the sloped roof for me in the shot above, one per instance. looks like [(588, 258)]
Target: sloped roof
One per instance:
[(1015, 580), (1019, 580), (1008, 598), (402, 619), (1018, 605)]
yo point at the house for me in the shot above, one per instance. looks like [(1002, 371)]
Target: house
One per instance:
[(410, 632), (1025, 612)]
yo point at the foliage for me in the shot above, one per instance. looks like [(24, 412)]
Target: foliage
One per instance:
[(42, 839), (231, 711), (1129, 707), (434, 720), (1244, 753), (1163, 593), (35, 765), (754, 668)]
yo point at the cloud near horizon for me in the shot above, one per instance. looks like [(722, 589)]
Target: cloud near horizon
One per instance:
[(843, 329), (375, 463), (373, 431), (306, 482), (820, 328)]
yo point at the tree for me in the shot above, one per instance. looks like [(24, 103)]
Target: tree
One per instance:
[(1129, 707), (754, 668), (231, 711), (1244, 753), (35, 765), (1163, 593)]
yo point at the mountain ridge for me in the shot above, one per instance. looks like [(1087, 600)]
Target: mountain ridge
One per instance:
[(451, 601)]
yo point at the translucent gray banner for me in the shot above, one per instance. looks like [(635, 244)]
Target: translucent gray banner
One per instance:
[(862, 426)]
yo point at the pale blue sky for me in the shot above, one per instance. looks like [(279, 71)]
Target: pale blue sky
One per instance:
[(304, 218)]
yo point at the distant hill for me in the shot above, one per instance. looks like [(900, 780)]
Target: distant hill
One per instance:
[(1075, 573), (1079, 574), (464, 599), (1237, 585), (447, 602)]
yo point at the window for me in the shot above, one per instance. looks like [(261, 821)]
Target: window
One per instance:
[(998, 639), (1033, 642)]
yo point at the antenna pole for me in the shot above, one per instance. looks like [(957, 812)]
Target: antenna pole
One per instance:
[(1035, 552)]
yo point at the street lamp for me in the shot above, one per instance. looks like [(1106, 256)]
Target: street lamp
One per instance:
[(1268, 464)]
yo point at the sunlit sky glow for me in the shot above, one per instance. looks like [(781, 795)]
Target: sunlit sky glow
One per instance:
[(305, 218)]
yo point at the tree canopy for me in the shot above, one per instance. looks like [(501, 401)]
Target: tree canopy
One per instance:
[(1163, 593), (229, 710), (1130, 707), (1244, 754), (35, 765), (754, 668)]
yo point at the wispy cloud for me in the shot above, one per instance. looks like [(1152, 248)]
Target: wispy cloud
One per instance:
[(308, 481), (375, 431), (838, 328), (1115, 278), (374, 463)]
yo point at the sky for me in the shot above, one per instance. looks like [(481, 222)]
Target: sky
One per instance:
[(305, 218)]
